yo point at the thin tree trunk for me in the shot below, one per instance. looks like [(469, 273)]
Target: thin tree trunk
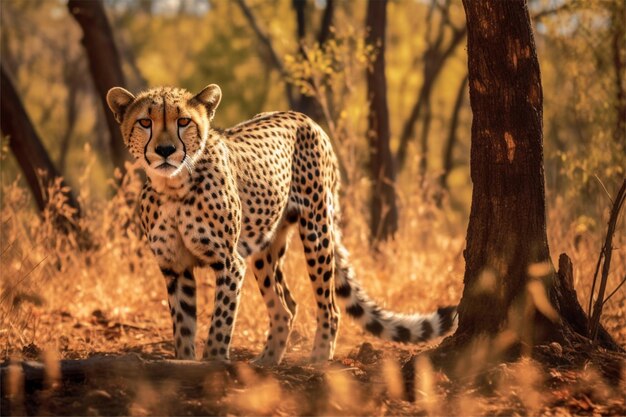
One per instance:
[(452, 136), (384, 213), (327, 20), (434, 62), (71, 78), (618, 40), (305, 103), (31, 155), (267, 43), (104, 64), (423, 157)]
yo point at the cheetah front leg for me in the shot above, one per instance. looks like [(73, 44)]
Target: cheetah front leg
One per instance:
[(229, 278), (176, 264), (181, 294)]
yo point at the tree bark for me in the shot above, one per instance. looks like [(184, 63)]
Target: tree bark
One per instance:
[(31, 155), (104, 64), (384, 213), (507, 227), (510, 281)]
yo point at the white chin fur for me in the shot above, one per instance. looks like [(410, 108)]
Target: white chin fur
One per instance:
[(158, 170)]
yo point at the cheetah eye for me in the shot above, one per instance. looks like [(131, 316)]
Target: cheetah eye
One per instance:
[(183, 121), (145, 123)]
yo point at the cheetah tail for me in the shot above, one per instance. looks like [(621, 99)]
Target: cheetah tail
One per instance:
[(406, 328)]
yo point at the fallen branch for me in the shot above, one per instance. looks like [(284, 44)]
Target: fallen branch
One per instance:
[(127, 366)]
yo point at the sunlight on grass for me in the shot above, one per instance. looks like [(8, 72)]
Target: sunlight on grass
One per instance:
[(59, 302)]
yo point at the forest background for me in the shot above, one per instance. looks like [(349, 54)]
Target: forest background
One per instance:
[(267, 55)]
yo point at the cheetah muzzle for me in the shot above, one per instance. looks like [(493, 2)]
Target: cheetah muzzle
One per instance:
[(214, 199)]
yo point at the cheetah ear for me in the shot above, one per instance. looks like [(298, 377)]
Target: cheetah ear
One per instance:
[(118, 100), (210, 97)]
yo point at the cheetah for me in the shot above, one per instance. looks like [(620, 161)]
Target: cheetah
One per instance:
[(215, 198)]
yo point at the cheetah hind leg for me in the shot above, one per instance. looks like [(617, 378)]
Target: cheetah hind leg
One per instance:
[(281, 306), (318, 248)]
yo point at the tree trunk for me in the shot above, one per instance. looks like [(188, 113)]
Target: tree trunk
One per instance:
[(507, 228), (512, 298), (510, 281), (384, 220), (104, 64), (31, 155)]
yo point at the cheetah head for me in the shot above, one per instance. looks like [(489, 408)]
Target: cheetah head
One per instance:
[(166, 129)]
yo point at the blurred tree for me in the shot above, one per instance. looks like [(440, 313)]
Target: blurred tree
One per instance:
[(448, 161), (274, 58), (509, 272), (31, 155), (439, 49), (104, 64), (384, 212), (618, 48), (227, 56), (72, 74), (298, 100), (307, 103), (311, 97)]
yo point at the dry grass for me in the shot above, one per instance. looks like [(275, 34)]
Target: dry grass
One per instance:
[(111, 299)]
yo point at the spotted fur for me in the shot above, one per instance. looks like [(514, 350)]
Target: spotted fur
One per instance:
[(214, 198)]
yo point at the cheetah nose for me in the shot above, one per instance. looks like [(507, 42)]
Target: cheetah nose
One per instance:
[(165, 151)]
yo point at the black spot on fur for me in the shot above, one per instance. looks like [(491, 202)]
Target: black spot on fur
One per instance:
[(168, 272), (427, 331), (355, 310), (374, 327), (446, 315), (190, 309), (217, 266), (171, 286), (402, 335), (343, 291)]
